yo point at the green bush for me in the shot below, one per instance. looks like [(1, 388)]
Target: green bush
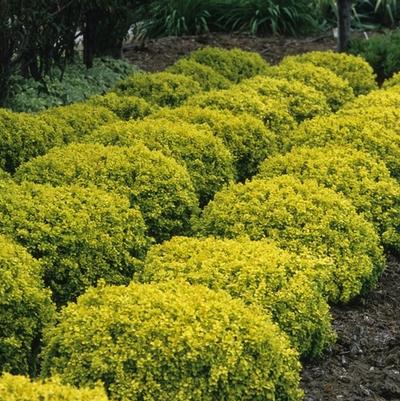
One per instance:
[(352, 129), (208, 162), (171, 342), (25, 308), (364, 180), (156, 183), (353, 69), (301, 216), (377, 98), (246, 137), (235, 64), (258, 273), (125, 107), (337, 91), (20, 388), (79, 235), (303, 101), (204, 75), (81, 117), (161, 88)]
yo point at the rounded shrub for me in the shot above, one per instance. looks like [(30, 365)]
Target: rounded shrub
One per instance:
[(392, 82), (170, 342), (79, 235), (20, 388), (361, 178), (352, 129), (257, 272), (376, 98), (204, 75), (245, 136), (301, 216), (161, 88), (272, 112), (24, 136), (353, 69), (303, 101), (81, 117), (337, 91), (208, 162), (156, 183), (125, 107), (235, 64), (25, 308)]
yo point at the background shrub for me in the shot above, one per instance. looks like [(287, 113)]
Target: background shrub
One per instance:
[(303, 101), (80, 235), (169, 340), (246, 137), (235, 64), (255, 271), (301, 216), (364, 180), (204, 75), (125, 107), (161, 88), (353, 69), (13, 388), (336, 90), (208, 162), (25, 308), (393, 82), (156, 183)]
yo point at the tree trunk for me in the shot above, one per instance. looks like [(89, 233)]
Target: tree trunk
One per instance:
[(89, 38), (344, 24)]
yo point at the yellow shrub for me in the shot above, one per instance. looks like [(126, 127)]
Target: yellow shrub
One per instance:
[(20, 388), (303, 101), (353, 69), (172, 341), (380, 98), (301, 216), (392, 82), (208, 162), (257, 272), (337, 91)]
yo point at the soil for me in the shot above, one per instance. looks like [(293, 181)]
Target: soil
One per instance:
[(364, 364)]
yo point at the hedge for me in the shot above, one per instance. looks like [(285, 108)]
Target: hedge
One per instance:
[(20, 388), (204, 75), (170, 342), (301, 216), (246, 137), (25, 308), (161, 88), (235, 64), (353, 69), (125, 107), (79, 235), (303, 101), (257, 272), (337, 91), (208, 162), (156, 183)]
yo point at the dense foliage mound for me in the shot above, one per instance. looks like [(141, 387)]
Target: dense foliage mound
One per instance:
[(25, 308), (156, 183), (125, 107), (235, 64), (301, 216), (204, 75), (257, 272), (80, 235), (20, 388), (376, 98), (208, 162), (392, 82), (162, 88), (170, 342), (364, 180), (337, 91), (246, 137), (353, 69), (303, 101)]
